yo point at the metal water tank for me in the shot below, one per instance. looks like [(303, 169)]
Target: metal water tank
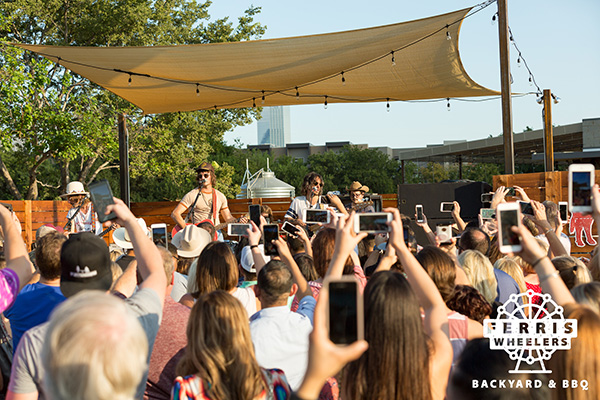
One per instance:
[(265, 185)]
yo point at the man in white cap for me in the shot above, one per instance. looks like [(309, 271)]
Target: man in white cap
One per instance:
[(81, 217)]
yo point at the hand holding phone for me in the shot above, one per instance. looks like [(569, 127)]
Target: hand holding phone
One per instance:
[(316, 216), (254, 211), (508, 216), (446, 206), (420, 217), (581, 181), (159, 234), (270, 233), (238, 229), (290, 228), (345, 316), (102, 196), (372, 222)]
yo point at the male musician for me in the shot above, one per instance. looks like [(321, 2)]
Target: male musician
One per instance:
[(357, 196), (204, 202), (312, 186), (82, 216)]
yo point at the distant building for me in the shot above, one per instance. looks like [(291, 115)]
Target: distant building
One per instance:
[(274, 127)]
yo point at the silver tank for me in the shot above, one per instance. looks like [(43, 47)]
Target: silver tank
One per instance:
[(265, 185)]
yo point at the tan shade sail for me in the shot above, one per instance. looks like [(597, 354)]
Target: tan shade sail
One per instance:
[(229, 75)]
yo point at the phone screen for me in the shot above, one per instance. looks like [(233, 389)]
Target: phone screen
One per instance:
[(582, 192), (508, 219), (239, 229), (343, 314), (447, 207), (316, 216), (488, 213), (374, 222), (526, 208), (254, 211), (290, 228), (486, 197), (270, 232), (159, 236), (419, 214), (564, 215), (101, 196), (511, 191)]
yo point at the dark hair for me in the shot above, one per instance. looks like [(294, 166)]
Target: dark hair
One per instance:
[(267, 210), (295, 244), (208, 227), (468, 301), (396, 364), (274, 281), (307, 182), (478, 363), (441, 269), (552, 213), (307, 266), (213, 176), (323, 245), (184, 264), (47, 255), (475, 239), (217, 269)]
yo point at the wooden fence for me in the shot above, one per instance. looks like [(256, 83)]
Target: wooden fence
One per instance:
[(553, 186), (35, 213)]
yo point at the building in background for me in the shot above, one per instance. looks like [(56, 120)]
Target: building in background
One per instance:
[(274, 126)]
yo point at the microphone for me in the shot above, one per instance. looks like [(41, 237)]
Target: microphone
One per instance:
[(201, 181)]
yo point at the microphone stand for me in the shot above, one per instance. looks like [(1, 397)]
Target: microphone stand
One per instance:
[(193, 206)]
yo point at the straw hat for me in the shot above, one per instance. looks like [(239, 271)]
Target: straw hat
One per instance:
[(121, 236), (356, 185), (190, 241), (74, 188)]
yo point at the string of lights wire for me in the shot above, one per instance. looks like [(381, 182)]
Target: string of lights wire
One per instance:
[(295, 90)]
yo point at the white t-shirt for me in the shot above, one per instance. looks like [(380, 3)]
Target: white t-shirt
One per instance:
[(83, 221), (299, 204), (204, 206)]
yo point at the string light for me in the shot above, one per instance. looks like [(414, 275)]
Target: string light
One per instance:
[(325, 104), (263, 97), (129, 80), (297, 94), (448, 37), (494, 19), (555, 98), (519, 62), (388, 104), (216, 112), (393, 59), (511, 79), (343, 79), (448, 103), (197, 90), (254, 102), (530, 81), (522, 61)]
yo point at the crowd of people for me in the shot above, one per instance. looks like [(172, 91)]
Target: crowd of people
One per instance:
[(204, 318)]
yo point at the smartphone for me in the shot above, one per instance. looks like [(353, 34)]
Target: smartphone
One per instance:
[(511, 191), (487, 197), (446, 206), (290, 228), (372, 222), (508, 215), (406, 233), (563, 207), (526, 208), (345, 317), (254, 211), (238, 229), (419, 211), (101, 196), (270, 232), (487, 213), (159, 234), (314, 216), (444, 233), (581, 180)]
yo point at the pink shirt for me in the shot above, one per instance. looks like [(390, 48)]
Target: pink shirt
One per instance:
[(9, 288)]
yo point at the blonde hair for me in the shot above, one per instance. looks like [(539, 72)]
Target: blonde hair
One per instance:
[(94, 349), (220, 350), (588, 294), (572, 271), (116, 271), (511, 266), (480, 272)]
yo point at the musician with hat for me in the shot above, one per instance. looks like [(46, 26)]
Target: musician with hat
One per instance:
[(81, 217), (204, 202), (357, 196)]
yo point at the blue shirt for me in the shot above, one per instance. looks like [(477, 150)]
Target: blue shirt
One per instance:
[(31, 308), (507, 286), (280, 338)]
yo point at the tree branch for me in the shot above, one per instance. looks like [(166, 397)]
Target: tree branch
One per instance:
[(100, 168), (11, 184)]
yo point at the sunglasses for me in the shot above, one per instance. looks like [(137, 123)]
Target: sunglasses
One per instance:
[(204, 174), (320, 184)]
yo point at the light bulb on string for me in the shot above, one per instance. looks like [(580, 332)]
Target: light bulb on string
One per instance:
[(530, 81), (129, 80), (494, 19), (448, 37), (343, 79), (263, 97), (297, 94), (448, 103), (254, 102), (216, 112), (197, 90), (511, 79), (393, 59), (325, 104), (519, 62), (388, 105)]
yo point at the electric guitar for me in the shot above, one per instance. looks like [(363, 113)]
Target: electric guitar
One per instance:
[(110, 228), (218, 227)]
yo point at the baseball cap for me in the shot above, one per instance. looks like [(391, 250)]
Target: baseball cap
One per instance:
[(85, 264), (205, 166)]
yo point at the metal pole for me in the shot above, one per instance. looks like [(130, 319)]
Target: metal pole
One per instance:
[(548, 135), (124, 159), (507, 131)]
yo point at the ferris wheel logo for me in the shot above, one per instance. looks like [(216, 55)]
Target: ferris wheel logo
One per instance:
[(531, 333)]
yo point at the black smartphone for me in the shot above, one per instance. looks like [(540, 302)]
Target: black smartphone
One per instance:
[(345, 311), (487, 197), (102, 196), (526, 208), (290, 228), (270, 232), (563, 206), (406, 234), (254, 211), (511, 191)]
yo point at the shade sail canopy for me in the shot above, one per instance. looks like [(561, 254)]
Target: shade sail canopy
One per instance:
[(232, 75)]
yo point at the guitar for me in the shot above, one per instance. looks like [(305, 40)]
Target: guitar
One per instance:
[(110, 228), (220, 226)]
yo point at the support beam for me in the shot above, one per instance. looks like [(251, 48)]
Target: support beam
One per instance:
[(507, 131), (124, 159), (548, 135)]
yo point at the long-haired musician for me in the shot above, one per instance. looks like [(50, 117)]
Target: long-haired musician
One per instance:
[(81, 217)]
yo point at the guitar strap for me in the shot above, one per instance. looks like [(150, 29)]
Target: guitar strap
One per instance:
[(214, 210), (190, 215)]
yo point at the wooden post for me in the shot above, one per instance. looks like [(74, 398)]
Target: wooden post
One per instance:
[(507, 131), (548, 136), (124, 159), (460, 175), (403, 171), (28, 224)]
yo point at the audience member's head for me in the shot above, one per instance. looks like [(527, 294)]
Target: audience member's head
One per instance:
[(94, 349), (440, 267), (588, 294), (168, 263), (512, 267), (572, 271), (474, 239), (467, 300), (220, 349), (307, 266), (594, 266), (248, 267), (323, 245), (47, 255), (217, 269), (480, 272), (295, 244), (274, 284), (267, 213)]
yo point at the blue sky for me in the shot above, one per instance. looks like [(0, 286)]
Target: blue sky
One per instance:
[(560, 41)]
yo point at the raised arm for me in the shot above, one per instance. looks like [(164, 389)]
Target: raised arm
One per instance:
[(345, 242), (254, 236), (428, 232), (149, 260), (556, 247), (456, 215), (15, 251)]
